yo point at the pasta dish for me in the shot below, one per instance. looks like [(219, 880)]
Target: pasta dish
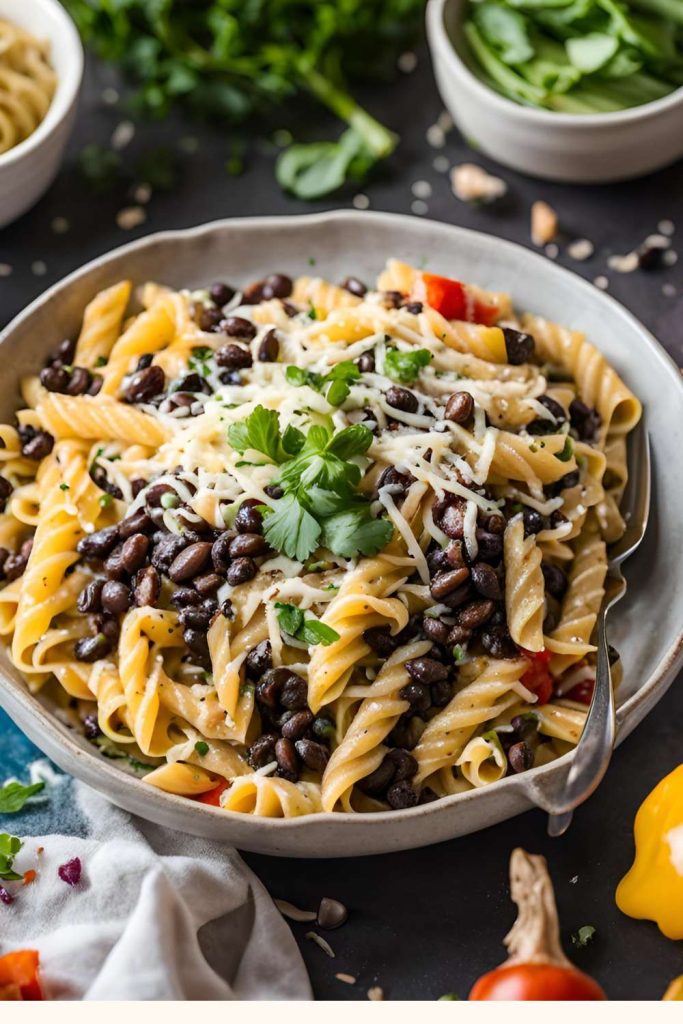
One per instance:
[(311, 547), (27, 84)]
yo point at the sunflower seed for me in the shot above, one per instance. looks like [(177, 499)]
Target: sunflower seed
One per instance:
[(294, 913), (320, 941)]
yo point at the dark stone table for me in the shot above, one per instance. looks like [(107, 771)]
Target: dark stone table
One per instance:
[(427, 922)]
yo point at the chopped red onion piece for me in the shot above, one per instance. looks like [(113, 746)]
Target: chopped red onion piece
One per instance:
[(71, 871), (5, 897)]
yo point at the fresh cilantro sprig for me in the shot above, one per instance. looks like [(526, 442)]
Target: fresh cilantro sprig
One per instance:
[(320, 504), (308, 629), (9, 848), (404, 367), (14, 795), (333, 385)]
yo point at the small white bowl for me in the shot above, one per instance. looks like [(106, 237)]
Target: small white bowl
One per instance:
[(579, 148), (27, 170)]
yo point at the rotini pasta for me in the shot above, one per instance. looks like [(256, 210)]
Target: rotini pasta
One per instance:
[(27, 84)]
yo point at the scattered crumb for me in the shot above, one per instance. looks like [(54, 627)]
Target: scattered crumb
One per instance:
[(574, 880), (436, 136), (188, 144), (421, 189), (282, 137), (472, 184), (320, 941), (543, 223), (552, 251), (5, 269), (669, 290), (110, 96), (666, 227), (361, 201), (122, 135), (419, 207), (130, 217), (601, 282), (294, 913), (407, 62), (657, 242), (375, 993), (445, 121), (142, 193), (60, 225), (581, 249), (625, 264), (348, 979), (41, 849), (29, 877), (669, 258), (39, 268), (441, 164)]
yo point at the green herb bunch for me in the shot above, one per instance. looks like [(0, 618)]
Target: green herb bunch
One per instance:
[(238, 58)]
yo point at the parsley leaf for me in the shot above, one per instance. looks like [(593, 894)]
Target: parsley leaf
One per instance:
[(351, 532), (567, 452), (404, 367), (334, 385), (290, 618), (309, 630), (9, 848), (14, 795), (291, 529), (260, 432), (583, 937)]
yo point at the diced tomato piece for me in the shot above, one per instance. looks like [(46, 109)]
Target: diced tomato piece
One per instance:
[(19, 974), (453, 300), (581, 692), (537, 677), (213, 796)]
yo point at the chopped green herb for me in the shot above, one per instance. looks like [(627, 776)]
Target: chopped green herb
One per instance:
[(567, 452), (106, 501), (517, 507), (169, 500), (101, 361), (64, 487), (202, 748), (14, 795), (404, 367), (458, 652), (309, 630), (109, 749), (583, 937), (9, 848), (312, 314)]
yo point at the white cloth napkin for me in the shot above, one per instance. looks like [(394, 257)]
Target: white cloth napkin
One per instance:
[(156, 915)]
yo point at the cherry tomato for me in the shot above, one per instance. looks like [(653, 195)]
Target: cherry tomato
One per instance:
[(19, 976), (453, 300), (536, 982), (212, 796), (582, 692), (537, 677)]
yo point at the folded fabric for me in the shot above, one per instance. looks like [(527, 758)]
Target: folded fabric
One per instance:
[(156, 914)]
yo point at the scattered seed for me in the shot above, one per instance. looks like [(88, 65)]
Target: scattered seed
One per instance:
[(294, 913), (361, 201), (666, 227), (669, 258), (657, 242), (348, 979), (441, 164), (574, 880), (60, 225), (130, 217), (320, 941), (39, 268), (142, 193), (122, 135), (625, 264), (419, 207), (581, 249), (5, 269), (376, 993), (421, 189), (331, 914), (282, 137), (601, 282), (668, 289), (110, 96), (407, 62), (436, 136), (472, 184), (543, 223), (552, 251), (188, 144)]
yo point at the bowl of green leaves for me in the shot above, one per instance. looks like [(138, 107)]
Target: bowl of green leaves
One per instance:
[(569, 90)]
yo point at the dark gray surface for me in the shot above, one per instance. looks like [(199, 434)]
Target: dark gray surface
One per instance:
[(428, 922)]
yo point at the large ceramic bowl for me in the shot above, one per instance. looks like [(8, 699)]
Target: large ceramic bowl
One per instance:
[(647, 628)]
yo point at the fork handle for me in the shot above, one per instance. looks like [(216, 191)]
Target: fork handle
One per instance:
[(594, 750)]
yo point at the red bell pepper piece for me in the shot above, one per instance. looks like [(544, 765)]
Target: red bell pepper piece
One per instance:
[(212, 796), (19, 978), (455, 302), (581, 692), (537, 677)]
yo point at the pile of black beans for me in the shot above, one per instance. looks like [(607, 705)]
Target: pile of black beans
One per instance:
[(292, 735), (211, 317), (61, 376)]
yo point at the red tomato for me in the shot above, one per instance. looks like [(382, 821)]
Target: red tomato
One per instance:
[(537, 677), (19, 976), (212, 796), (454, 302), (582, 692), (536, 982)]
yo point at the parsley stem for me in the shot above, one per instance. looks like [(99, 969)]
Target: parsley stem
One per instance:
[(378, 139)]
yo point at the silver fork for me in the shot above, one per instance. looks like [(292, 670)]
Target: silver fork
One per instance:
[(594, 750)]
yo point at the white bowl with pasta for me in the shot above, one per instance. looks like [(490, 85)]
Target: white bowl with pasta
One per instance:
[(147, 669), (38, 113)]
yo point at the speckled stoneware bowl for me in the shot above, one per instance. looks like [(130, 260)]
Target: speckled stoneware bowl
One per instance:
[(647, 627)]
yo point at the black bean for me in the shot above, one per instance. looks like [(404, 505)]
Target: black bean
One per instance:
[(294, 695), (584, 420), (55, 378), (314, 755), (194, 384), (354, 286), (134, 552), (392, 477), (296, 727), (449, 515), (435, 629), (392, 299), (426, 670), (276, 286), (456, 554), (376, 783), (96, 383), (242, 570), (427, 796), (65, 352), (145, 360), (459, 596), (553, 407), (145, 384), (166, 550), (555, 579), (89, 597), (234, 357), (147, 587), (458, 635), (271, 686), (323, 729), (248, 518), (195, 618), (220, 552), (417, 695), (287, 760), (185, 597), (402, 399), (459, 407), (80, 381), (486, 582), (524, 726), (137, 485), (519, 346), (331, 914), (441, 693), (237, 327), (207, 584), (520, 757), (534, 522), (444, 583), (221, 293), (273, 491), (189, 562), (401, 795), (5, 491), (209, 319), (262, 751), (490, 545), (567, 481), (498, 643), (495, 523), (92, 648), (155, 493), (269, 347), (412, 307), (116, 597), (99, 476), (14, 565), (381, 641), (404, 764), (475, 614), (113, 566), (38, 446), (91, 727), (98, 544), (247, 545), (196, 641), (366, 362), (138, 522)]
